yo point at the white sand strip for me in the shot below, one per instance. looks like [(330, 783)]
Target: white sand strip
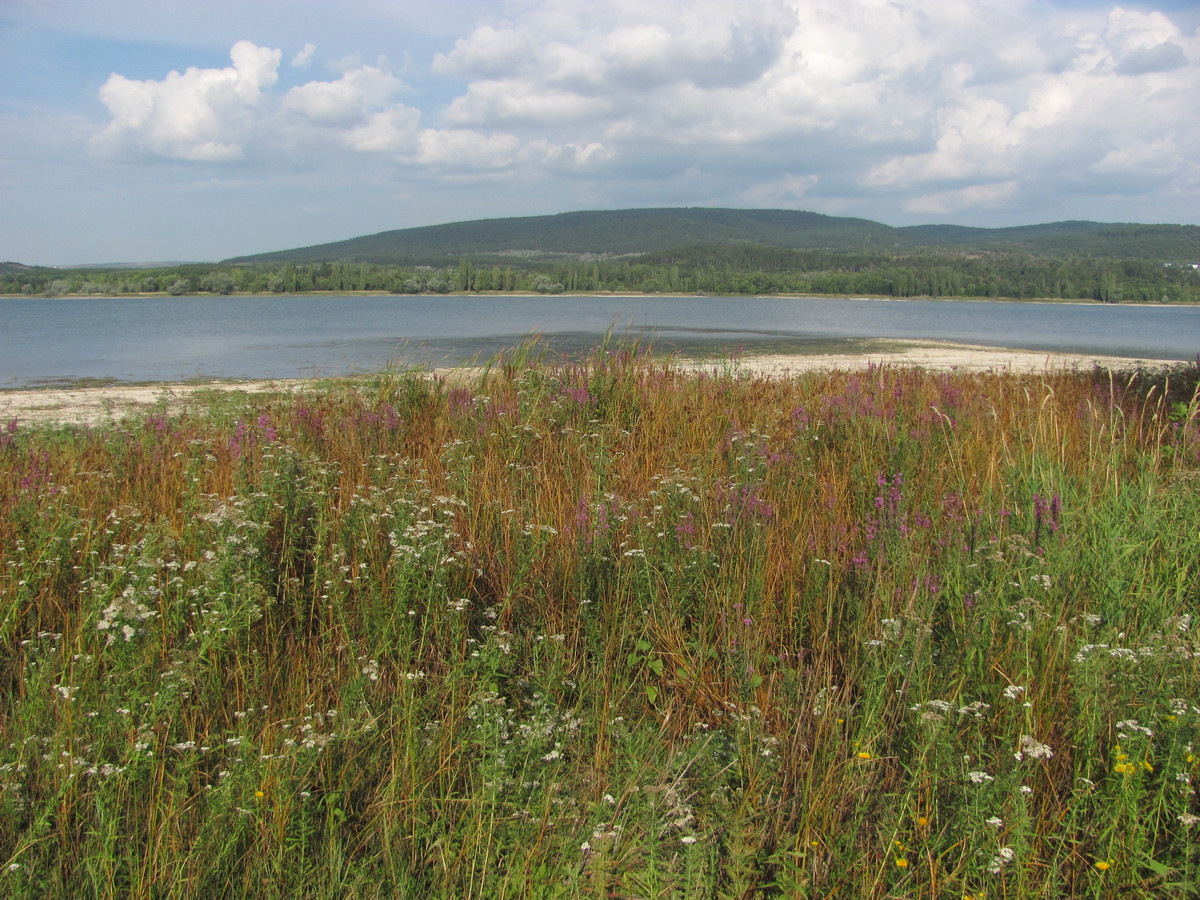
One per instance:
[(99, 405)]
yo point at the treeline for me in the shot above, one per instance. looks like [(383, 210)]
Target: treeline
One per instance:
[(925, 273), (729, 269)]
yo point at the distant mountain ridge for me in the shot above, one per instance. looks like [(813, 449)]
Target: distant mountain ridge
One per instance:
[(630, 232)]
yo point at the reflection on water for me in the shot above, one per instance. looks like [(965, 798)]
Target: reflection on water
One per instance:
[(573, 345), (159, 339)]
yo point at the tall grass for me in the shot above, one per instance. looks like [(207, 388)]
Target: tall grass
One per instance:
[(608, 628)]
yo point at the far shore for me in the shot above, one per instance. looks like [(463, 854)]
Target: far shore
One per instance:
[(97, 405), (573, 294)]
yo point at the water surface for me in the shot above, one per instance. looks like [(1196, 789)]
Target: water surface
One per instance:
[(127, 339)]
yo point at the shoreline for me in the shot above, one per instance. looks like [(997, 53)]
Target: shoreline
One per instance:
[(107, 404), (142, 295)]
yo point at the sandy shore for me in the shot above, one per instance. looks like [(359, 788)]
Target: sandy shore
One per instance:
[(99, 405), (944, 356), (111, 403)]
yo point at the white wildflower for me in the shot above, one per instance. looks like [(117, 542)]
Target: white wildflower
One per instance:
[(976, 709), (1128, 726), (1033, 749), (1003, 858)]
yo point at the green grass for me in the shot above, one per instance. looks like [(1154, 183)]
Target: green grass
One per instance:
[(607, 629)]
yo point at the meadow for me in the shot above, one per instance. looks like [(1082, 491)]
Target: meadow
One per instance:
[(609, 627)]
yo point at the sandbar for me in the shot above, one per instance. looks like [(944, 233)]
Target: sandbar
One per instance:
[(99, 405)]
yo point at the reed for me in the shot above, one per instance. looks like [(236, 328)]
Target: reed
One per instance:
[(608, 627)]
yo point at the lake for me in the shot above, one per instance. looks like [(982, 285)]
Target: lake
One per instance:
[(127, 339)]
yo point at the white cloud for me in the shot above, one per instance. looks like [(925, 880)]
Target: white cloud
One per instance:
[(393, 131), (788, 191), (470, 150), (515, 101), (200, 115), (1153, 158), (975, 197), (903, 107), (348, 100), (974, 139), (488, 53), (304, 57), (1069, 114)]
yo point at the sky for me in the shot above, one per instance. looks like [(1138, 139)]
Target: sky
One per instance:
[(153, 130)]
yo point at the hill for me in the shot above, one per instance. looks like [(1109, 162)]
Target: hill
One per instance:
[(631, 232)]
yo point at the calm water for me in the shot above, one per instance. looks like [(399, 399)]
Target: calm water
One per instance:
[(157, 339)]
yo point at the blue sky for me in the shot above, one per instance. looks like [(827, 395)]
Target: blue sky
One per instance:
[(142, 130)]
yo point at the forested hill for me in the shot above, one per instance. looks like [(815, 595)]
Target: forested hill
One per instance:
[(712, 251), (617, 233)]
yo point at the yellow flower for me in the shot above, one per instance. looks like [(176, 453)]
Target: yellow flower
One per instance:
[(922, 822), (1103, 864), (863, 754), (1125, 768), (1145, 765), (258, 795), (901, 862)]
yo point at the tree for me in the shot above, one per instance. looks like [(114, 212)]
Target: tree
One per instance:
[(543, 284), (219, 283), (465, 277)]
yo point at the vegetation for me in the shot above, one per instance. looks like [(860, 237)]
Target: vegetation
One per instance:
[(584, 236), (746, 269), (609, 628), (698, 250)]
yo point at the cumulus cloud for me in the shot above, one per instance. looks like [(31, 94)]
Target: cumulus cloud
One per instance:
[(1073, 110), (788, 191), (1153, 159), (514, 101), (936, 106), (392, 131), (467, 150), (487, 53), (304, 57), (976, 196), (199, 115), (348, 100)]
